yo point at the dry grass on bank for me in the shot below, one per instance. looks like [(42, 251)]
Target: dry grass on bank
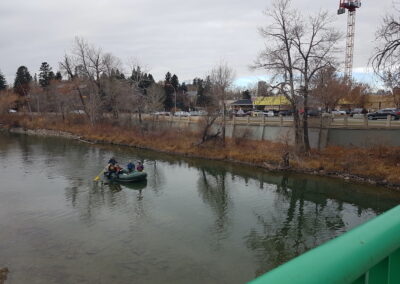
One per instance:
[(380, 163)]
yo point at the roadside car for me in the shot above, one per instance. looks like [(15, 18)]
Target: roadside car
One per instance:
[(356, 111), (78, 111), (198, 113), (242, 113), (338, 112), (271, 113), (383, 114), (181, 113), (313, 113), (256, 113), (166, 113), (288, 112)]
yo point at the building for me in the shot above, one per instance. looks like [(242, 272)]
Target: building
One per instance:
[(244, 104), (376, 102), (279, 102)]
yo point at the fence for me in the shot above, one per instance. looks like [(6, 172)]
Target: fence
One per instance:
[(346, 122)]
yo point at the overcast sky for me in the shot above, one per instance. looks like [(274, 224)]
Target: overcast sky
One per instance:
[(184, 37)]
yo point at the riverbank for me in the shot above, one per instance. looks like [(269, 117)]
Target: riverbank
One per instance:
[(378, 165)]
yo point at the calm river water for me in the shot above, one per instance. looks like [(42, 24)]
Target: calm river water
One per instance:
[(193, 221)]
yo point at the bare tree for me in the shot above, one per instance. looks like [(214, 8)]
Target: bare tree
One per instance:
[(328, 87), (138, 91), (391, 79), (358, 94), (90, 70), (386, 58), (155, 98), (388, 36), (222, 77), (296, 48), (8, 99)]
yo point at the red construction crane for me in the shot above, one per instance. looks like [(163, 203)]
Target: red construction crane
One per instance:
[(351, 6)]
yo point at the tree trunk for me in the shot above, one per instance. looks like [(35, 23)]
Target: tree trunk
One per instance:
[(223, 124), (298, 137), (305, 125), (140, 116)]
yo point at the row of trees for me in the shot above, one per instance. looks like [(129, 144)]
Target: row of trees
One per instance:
[(300, 55)]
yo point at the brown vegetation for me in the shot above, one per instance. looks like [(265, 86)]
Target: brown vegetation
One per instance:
[(379, 164), (8, 100)]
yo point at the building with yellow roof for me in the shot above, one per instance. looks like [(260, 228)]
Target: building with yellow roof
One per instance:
[(272, 103)]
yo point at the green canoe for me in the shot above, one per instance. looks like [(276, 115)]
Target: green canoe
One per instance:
[(126, 176)]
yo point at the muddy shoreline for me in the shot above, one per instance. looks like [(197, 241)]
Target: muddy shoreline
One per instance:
[(266, 165)]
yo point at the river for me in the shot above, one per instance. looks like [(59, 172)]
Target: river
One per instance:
[(193, 221)]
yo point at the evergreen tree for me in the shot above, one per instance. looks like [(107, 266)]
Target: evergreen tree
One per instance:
[(182, 100), (175, 81), (246, 95), (203, 92), (168, 77), (52, 76), (45, 74), (119, 75), (183, 87), (169, 90), (22, 81), (3, 83), (58, 76), (136, 75)]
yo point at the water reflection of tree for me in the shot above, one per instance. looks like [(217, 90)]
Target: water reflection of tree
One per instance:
[(213, 190), (297, 229), (155, 176)]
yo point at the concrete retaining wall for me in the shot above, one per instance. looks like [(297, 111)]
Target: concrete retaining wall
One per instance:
[(320, 137)]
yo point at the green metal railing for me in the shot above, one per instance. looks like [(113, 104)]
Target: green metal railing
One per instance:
[(369, 254)]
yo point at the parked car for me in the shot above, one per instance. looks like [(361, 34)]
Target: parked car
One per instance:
[(198, 113), (78, 111), (383, 114), (313, 112), (338, 112), (12, 110), (166, 113), (256, 113), (242, 113), (182, 113), (271, 113), (288, 112), (357, 111)]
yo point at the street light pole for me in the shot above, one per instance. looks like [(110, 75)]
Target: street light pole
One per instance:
[(175, 96)]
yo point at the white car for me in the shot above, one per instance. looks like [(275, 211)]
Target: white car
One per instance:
[(338, 112), (182, 113), (166, 113), (198, 113), (12, 110)]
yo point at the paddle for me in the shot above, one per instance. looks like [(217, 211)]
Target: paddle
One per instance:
[(97, 178)]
